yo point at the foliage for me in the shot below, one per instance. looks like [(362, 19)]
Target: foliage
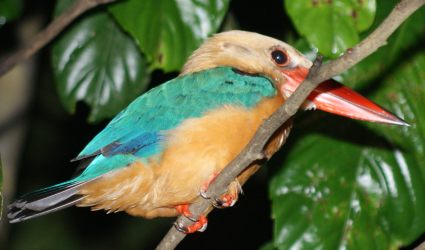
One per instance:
[(167, 32), (338, 183), (9, 10), (371, 195), (331, 26), (97, 62)]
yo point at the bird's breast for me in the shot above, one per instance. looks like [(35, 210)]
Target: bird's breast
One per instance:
[(195, 150)]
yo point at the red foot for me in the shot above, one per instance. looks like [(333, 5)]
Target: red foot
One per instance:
[(184, 210), (226, 200), (199, 224)]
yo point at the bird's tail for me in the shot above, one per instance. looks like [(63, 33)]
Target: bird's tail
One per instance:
[(44, 201)]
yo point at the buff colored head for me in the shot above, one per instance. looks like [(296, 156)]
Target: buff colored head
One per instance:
[(258, 54)]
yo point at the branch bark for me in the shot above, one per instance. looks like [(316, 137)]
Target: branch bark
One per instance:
[(49, 33), (318, 73)]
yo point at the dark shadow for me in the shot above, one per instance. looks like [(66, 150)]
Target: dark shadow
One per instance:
[(268, 19), (415, 244), (404, 56)]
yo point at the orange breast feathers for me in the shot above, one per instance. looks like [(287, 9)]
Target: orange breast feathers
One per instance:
[(194, 151)]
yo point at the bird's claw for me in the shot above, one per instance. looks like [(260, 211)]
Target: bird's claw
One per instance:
[(203, 194), (225, 201), (205, 185), (185, 211), (199, 225)]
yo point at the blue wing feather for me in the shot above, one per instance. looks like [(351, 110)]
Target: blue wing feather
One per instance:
[(136, 145), (135, 133)]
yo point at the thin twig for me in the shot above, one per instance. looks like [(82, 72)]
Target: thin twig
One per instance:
[(50, 32), (317, 75)]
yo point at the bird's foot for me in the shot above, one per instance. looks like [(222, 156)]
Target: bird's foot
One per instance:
[(206, 184), (226, 200), (200, 224), (184, 210)]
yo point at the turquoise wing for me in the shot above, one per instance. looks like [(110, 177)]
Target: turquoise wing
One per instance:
[(137, 131)]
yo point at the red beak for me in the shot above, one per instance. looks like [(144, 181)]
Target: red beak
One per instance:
[(333, 97)]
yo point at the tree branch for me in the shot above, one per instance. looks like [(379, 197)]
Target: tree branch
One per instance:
[(318, 73), (50, 32)]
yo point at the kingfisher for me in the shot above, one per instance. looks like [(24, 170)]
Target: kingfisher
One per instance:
[(162, 151)]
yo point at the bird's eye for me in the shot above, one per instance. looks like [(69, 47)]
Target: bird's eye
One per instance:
[(279, 57)]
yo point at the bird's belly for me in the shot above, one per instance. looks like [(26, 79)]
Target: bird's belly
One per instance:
[(194, 151)]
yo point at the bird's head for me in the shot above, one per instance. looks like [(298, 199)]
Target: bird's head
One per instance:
[(253, 53)]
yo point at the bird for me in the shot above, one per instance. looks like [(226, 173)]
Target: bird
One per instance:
[(160, 153)]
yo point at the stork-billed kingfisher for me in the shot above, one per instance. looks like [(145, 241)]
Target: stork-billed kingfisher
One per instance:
[(157, 155)]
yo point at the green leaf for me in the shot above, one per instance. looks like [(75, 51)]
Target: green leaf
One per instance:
[(404, 93), (407, 38), (96, 62), (341, 194), (168, 31), (331, 26), (9, 10)]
